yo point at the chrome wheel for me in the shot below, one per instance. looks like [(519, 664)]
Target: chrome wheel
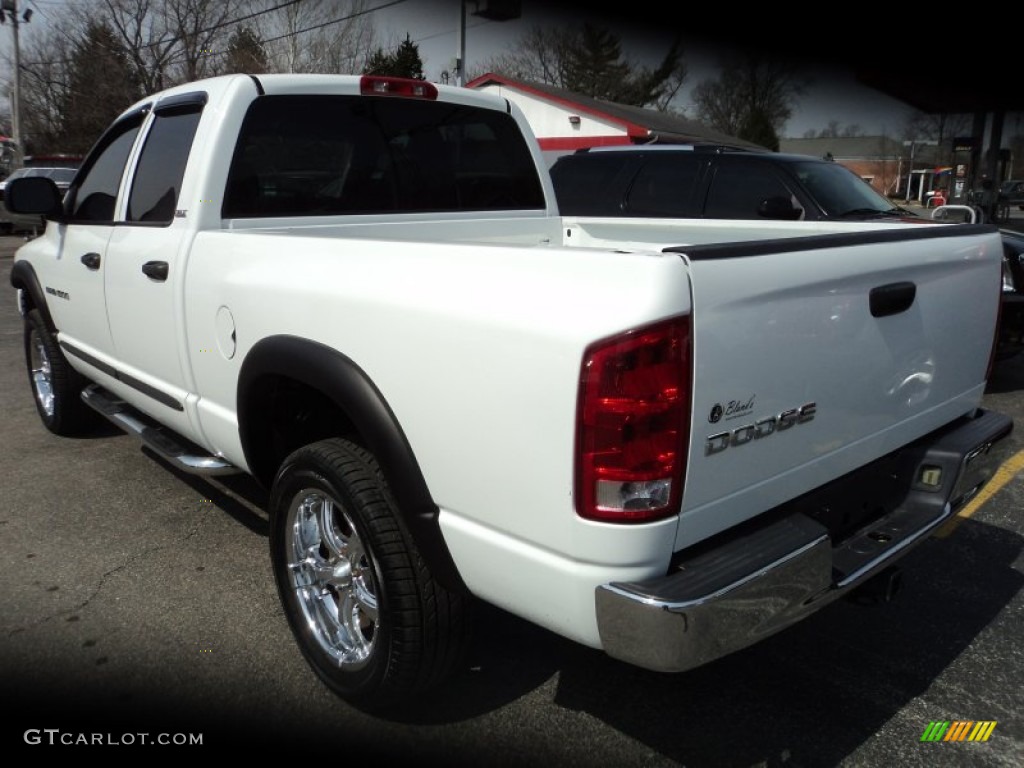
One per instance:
[(367, 614), (41, 373), (332, 575), (56, 386)]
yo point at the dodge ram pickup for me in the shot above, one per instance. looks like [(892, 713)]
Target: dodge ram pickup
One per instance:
[(662, 439)]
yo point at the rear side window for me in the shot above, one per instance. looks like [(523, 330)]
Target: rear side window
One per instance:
[(591, 184), (161, 166), (665, 186), (328, 155), (740, 187)]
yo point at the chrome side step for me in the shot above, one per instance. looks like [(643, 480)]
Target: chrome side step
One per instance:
[(169, 445)]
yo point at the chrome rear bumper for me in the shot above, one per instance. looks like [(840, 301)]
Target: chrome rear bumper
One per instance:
[(764, 577)]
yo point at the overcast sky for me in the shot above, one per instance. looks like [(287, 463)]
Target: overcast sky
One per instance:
[(833, 95), (646, 31)]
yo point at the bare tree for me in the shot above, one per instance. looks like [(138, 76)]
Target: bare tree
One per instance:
[(202, 30), (169, 41), (750, 83), (45, 84), (589, 60), (142, 28), (830, 131), (835, 130), (165, 42), (325, 36), (723, 103), (939, 127), (537, 56)]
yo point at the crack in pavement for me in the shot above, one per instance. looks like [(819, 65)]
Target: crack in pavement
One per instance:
[(204, 514)]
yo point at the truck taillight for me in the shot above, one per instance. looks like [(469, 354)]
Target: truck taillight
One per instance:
[(633, 422), (377, 85)]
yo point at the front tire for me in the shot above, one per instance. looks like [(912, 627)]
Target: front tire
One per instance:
[(56, 386), (361, 603)]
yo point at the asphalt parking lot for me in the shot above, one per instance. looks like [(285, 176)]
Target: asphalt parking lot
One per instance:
[(137, 600)]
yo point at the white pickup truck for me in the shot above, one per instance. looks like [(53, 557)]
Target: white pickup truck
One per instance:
[(664, 439)]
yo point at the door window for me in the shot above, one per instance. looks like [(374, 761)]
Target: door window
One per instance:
[(94, 198)]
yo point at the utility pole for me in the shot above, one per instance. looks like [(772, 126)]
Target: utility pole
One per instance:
[(9, 9), (492, 10), (460, 46)]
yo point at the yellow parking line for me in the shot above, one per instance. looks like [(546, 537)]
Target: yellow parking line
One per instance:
[(1003, 475)]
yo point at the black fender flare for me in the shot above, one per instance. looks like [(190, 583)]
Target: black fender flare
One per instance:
[(341, 380), (23, 276)]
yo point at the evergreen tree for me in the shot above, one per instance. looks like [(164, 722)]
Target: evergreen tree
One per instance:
[(101, 85), (594, 67), (404, 61), (245, 53), (379, 63)]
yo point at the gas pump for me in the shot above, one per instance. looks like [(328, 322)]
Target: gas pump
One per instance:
[(965, 151)]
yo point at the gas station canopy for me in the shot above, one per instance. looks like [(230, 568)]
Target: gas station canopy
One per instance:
[(981, 85)]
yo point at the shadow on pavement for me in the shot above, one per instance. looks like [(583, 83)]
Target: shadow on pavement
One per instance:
[(814, 693)]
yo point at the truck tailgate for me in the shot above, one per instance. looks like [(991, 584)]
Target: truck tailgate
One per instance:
[(815, 355)]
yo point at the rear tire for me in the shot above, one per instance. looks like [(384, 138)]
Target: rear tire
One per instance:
[(360, 600), (56, 386)]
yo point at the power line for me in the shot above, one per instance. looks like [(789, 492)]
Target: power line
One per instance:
[(172, 40), (39, 10), (334, 21), (222, 24), (229, 22)]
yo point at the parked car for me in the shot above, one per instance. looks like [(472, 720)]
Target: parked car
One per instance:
[(711, 181), (1011, 192), (14, 222)]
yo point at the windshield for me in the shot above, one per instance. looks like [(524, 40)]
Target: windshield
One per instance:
[(60, 174), (839, 191)]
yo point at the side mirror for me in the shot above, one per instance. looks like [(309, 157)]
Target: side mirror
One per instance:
[(779, 207), (33, 195)]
